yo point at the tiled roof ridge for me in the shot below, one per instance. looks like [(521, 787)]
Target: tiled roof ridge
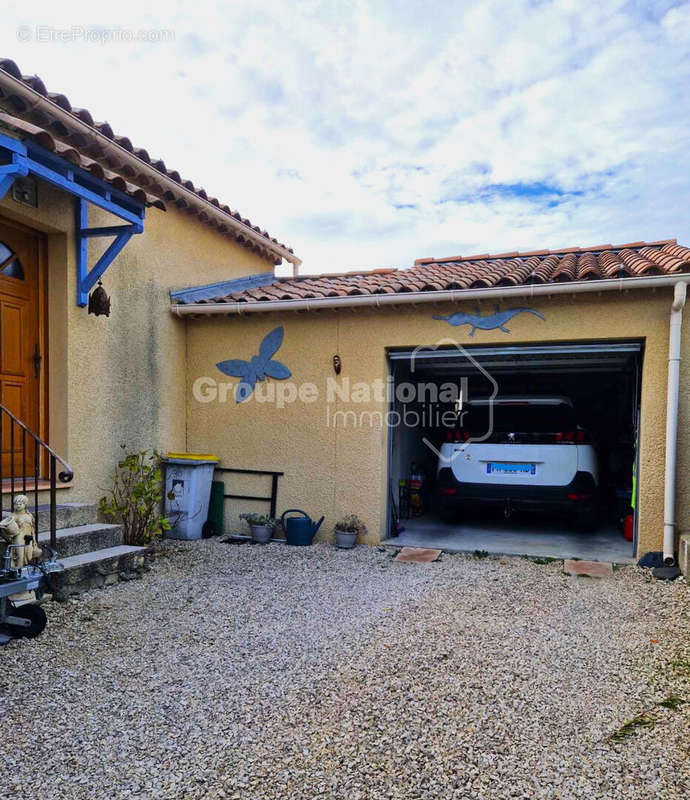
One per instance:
[(419, 262), (83, 115), (348, 274), (562, 251)]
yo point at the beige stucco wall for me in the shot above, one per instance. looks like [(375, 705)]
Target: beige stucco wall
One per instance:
[(335, 470), (121, 379)]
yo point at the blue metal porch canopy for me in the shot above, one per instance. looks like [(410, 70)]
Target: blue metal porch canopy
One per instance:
[(18, 158)]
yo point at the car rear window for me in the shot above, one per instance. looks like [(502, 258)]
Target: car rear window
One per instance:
[(519, 419)]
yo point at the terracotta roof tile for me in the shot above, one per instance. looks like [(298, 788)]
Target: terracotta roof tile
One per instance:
[(610, 264), (588, 267), (51, 133), (683, 253), (73, 155), (571, 264)]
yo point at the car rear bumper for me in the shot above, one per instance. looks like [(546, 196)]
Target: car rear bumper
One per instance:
[(580, 493)]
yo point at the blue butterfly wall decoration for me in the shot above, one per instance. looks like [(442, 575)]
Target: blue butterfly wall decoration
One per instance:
[(258, 367)]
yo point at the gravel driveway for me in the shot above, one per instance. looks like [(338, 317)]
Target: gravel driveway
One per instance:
[(274, 672)]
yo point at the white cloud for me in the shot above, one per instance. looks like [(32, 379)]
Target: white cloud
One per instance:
[(373, 133)]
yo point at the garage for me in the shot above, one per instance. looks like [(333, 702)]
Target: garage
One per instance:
[(591, 337), (545, 434)]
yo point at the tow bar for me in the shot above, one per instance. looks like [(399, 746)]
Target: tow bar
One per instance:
[(20, 590)]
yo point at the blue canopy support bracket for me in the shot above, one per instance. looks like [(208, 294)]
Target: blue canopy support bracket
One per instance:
[(24, 158), (86, 279), (8, 172)]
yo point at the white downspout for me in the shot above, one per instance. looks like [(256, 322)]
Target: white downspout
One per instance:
[(679, 293)]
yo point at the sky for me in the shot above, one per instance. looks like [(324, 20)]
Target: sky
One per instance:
[(368, 134)]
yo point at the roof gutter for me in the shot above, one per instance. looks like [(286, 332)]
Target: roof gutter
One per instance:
[(445, 296), (35, 100)]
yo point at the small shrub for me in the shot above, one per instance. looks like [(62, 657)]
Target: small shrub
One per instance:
[(135, 498), (252, 518), (351, 523)]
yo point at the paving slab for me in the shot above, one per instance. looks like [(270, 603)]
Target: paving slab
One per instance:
[(588, 569), (423, 555)]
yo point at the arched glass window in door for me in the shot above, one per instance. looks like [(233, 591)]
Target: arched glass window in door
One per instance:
[(10, 265)]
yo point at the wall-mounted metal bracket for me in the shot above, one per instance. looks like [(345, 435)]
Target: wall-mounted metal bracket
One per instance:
[(23, 158)]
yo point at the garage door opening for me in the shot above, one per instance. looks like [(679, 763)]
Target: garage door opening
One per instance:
[(520, 450)]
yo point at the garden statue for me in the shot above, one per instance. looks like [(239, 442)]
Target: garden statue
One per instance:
[(19, 529)]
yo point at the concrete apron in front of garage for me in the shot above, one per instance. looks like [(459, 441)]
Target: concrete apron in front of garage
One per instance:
[(512, 538)]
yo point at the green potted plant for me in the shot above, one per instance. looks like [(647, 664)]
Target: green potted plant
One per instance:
[(260, 525), (347, 530)]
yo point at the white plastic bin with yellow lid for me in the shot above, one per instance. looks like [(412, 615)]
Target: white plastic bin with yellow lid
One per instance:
[(188, 479)]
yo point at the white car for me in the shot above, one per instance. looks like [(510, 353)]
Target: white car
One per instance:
[(520, 452)]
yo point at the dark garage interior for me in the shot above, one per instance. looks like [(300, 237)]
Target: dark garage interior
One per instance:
[(602, 379)]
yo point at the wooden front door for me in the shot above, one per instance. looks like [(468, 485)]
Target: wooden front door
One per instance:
[(20, 341)]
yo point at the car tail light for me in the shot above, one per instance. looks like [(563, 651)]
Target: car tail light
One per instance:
[(447, 490), (579, 496), (571, 436)]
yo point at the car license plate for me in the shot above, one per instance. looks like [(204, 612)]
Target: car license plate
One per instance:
[(511, 469)]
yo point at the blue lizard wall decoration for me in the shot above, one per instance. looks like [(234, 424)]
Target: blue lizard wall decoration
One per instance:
[(488, 323)]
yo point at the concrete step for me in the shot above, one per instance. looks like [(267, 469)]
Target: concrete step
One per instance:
[(84, 538), (67, 514), (99, 568)]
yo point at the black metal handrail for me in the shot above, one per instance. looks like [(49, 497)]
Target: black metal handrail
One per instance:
[(273, 499), (39, 447)]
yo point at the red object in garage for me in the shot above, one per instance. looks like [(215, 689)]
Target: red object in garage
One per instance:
[(628, 527)]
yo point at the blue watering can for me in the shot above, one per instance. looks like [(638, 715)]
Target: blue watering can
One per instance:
[(299, 531)]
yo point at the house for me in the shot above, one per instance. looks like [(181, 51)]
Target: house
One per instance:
[(206, 350), (78, 204)]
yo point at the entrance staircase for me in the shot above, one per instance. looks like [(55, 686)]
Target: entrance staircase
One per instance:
[(92, 552)]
